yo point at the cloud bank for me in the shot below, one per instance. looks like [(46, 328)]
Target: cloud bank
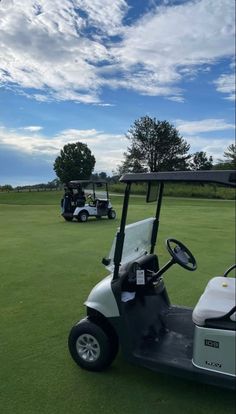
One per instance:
[(72, 49), (107, 148)]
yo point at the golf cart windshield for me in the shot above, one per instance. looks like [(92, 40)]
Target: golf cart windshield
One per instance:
[(137, 242)]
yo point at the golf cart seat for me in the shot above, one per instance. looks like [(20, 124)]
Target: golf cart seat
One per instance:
[(216, 307)]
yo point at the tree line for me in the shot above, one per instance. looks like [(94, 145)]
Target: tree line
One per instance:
[(154, 146)]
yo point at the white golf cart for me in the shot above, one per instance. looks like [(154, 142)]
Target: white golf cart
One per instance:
[(84, 199), (131, 307)]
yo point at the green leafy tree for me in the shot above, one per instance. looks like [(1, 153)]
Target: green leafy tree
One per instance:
[(54, 183), (6, 187), (155, 146), (130, 164), (200, 161), (103, 175), (230, 159), (230, 155), (75, 162)]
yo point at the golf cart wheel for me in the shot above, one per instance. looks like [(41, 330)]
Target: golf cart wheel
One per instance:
[(83, 216), (90, 346), (111, 214)]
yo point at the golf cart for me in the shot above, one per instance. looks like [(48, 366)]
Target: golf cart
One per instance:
[(84, 198), (130, 308)]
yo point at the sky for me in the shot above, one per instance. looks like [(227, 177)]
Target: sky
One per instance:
[(85, 70)]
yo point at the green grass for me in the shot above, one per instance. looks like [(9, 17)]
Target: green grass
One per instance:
[(47, 269)]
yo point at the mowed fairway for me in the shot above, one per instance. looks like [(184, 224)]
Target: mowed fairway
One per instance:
[(47, 269)]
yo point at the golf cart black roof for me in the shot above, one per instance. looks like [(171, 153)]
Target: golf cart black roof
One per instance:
[(225, 177), (82, 182)]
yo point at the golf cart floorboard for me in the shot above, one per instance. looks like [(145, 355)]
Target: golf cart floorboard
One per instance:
[(172, 351), (175, 345)]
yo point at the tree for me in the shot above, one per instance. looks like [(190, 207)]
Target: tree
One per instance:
[(230, 162), (54, 183), (155, 146), (75, 162), (6, 187), (103, 175), (230, 155), (130, 164), (99, 176), (199, 161)]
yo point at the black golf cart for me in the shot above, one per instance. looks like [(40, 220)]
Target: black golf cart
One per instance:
[(85, 198), (131, 307)]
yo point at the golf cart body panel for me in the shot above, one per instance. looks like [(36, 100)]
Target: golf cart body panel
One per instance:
[(195, 344), (100, 208), (92, 211), (101, 299), (85, 198), (208, 352)]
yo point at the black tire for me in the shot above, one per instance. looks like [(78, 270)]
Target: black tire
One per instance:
[(68, 218), (83, 216), (91, 347), (111, 214)]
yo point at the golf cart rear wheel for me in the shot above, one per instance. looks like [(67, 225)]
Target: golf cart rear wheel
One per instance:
[(90, 346), (83, 216), (111, 214)]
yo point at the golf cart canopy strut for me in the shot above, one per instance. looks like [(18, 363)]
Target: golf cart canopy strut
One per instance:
[(227, 178)]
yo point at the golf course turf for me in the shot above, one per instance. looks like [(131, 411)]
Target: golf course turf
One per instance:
[(47, 269)]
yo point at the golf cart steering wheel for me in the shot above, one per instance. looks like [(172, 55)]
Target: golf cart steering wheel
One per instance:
[(181, 254)]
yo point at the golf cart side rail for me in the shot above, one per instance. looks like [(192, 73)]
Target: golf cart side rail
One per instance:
[(225, 177)]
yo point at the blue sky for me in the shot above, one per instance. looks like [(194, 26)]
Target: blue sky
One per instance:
[(84, 70)]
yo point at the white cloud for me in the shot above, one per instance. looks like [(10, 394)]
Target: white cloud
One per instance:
[(226, 84), (107, 148), (214, 147), (174, 42), (176, 99), (32, 128), (43, 47), (106, 16), (65, 50), (196, 134), (204, 125)]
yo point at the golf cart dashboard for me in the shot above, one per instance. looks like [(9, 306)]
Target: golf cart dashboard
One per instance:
[(136, 276)]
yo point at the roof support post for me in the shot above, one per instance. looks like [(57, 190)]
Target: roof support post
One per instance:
[(157, 220), (121, 234)]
